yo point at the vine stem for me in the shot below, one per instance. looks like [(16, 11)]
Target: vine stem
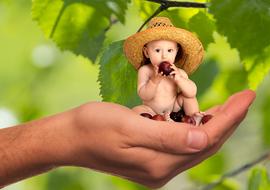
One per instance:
[(165, 4), (235, 172), (180, 3), (160, 9)]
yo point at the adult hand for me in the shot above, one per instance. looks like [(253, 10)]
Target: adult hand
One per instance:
[(114, 139)]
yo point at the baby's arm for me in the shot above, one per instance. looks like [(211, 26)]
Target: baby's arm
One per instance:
[(146, 86), (187, 87)]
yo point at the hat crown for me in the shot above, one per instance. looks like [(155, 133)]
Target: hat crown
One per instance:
[(160, 21)]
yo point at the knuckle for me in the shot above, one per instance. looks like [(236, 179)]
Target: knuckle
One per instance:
[(163, 139), (214, 141), (215, 149), (157, 173)]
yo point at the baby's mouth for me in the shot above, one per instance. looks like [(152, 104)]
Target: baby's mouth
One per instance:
[(164, 62)]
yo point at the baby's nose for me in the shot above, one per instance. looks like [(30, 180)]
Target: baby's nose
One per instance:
[(164, 54)]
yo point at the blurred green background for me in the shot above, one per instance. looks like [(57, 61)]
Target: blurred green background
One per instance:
[(37, 79)]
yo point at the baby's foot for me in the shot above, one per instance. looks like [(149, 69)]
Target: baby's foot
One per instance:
[(189, 119), (197, 117), (167, 117), (201, 117)]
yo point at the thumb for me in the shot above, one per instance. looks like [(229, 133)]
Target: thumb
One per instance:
[(169, 137), (229, 116)]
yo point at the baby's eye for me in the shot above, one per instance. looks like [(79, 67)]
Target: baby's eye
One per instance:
[(170, 50), (157, 50)]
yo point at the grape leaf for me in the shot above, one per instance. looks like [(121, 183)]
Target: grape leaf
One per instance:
[(61, 179), (204, 76), (120, 183), (176, 18), (246, 24), (204, 172), (146, 8), (258, 179), (203, 26), (258, 67), (77, 25), (265, 118), (236, 80), (117, 77)]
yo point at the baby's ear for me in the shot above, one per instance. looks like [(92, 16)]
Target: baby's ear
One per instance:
[(145, 51)]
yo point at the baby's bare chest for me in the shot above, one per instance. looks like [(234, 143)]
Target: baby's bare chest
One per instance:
[(166, 87)]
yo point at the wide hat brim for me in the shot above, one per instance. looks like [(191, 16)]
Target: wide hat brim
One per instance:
[(192, 49)]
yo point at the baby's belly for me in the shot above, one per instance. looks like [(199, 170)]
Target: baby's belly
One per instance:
[(162, 104)]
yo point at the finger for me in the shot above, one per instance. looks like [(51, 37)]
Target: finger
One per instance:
[(173, 66), (188, 161), (173, 73), (228, 116), (169, 137), (213, 110), (228, 134)]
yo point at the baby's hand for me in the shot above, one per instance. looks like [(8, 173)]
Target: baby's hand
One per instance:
[(157, 75), (178, 74)]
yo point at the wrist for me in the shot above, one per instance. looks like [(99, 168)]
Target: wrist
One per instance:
[(61, 142), (51, 139), (34, 147)]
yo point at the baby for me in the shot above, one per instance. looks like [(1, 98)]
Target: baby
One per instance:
[(163, 94)]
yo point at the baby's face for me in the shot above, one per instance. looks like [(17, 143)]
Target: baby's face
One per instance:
[(161, 50)]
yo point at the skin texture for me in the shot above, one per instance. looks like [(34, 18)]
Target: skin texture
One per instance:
[(163, 94), (112, 138)]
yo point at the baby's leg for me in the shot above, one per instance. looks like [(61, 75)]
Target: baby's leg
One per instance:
[(143, 109), (191, 108), (190, 105), (146, 109)]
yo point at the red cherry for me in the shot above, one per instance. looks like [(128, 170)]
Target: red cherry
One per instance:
[(158, 118), (188, 119), (148, 115), (165, 67), (206, 118), (177, 116)]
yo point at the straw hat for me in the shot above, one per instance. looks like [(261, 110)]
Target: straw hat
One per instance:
[(161, 28)]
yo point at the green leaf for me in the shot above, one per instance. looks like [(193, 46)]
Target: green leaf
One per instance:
[(146, 8), (258, 67), (176, 18), (118, 7), (120, 183), (77, 25), (246, 24), (203, 26), (266, 119), (228, 184), (236, 80), (204, 172), (117, 77), (258, 179), (60, 179), (205, 76)]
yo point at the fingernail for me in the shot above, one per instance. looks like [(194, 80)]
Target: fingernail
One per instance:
[(196, 139)]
